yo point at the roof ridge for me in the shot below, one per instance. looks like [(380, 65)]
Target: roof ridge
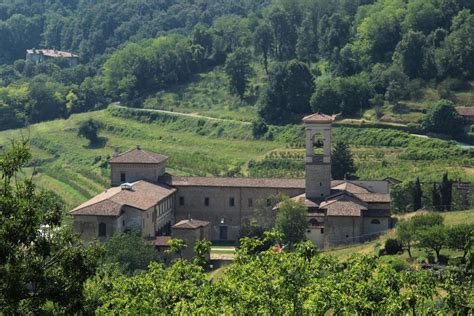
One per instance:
[(101, 201)]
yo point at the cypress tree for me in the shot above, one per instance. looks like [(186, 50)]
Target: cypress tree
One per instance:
[(446, 193), (435, 197), (417, 195), (342, 164)]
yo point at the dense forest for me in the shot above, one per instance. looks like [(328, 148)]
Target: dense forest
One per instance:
[(335, 57)]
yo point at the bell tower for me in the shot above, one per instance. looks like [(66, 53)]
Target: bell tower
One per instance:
[(318, 155)]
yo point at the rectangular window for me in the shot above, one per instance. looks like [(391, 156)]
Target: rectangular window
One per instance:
[(123, 178), (269, 202), (181, 200), (322, 230), (206, 201), (231, 202), (250, 202)]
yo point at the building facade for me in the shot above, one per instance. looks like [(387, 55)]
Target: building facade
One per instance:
[(144, 197), (40, 55)]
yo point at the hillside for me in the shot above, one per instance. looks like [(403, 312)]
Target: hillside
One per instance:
[(66, 164), (450, 219)]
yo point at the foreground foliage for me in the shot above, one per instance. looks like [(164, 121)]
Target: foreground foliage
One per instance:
[(269, 283), (42, 265)]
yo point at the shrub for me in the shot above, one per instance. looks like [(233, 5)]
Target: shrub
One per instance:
[(398, 264), (259, 128), (89, 129), (392, 246)]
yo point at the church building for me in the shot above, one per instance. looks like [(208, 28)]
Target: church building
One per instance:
[(144, 197)]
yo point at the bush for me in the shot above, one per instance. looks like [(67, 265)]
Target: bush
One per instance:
[(89, 129), (392, 246), (259, 128), (398, 264)]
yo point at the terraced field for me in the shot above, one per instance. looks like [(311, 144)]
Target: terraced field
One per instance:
[(66, 164)]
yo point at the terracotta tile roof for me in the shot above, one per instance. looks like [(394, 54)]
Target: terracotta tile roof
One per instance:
[(138, 155), (465, 110), (234, 182), (373, 197), (52, 53), (190, 224), (162, 241), (350, 187), (318, 118), (142, 196), (343, 205)]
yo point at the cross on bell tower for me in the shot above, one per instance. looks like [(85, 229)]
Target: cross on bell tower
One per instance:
[(318, 155)]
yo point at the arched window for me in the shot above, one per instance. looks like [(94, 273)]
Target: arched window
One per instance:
[(102, 230), (313, 222), (375, 221)]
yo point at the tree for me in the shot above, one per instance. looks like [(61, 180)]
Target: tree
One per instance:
[(89, 129), (287, 94), (47, 101), (402, 196), (342, 164), (291, 221), (306, 46), (176, 246), (238, 69), (443, 118), (259, 128), (445, 190), (202, 248), (410, 54), (421, 222), (299, 87), (393, 246), (417, 195), (435, 198), (433, 238), (456, 55), (326, 98), (42, 263), (131, 251), (285, 33), (263, 42), (406, 235), (460, 237)]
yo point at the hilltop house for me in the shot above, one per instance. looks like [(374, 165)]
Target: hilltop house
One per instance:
[(467, 114), (40, 55), (144, 197)]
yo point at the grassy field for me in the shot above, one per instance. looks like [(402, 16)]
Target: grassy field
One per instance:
[(66, 164), (450, 218), (208, 95)]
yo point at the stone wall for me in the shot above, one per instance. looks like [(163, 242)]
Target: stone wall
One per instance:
[(342, 230), (190, 236), (135, 172), (372, 226), (219, 211), (318, 180), (88, 227)]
